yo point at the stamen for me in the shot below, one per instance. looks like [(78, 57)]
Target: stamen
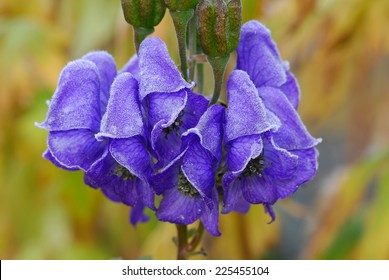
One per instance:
[(255, 166), (122, 172), (175, 126), (185, 187)]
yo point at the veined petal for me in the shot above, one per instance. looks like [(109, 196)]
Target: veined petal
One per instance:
[(259, 57), (195, 107), (305, 171), (210, 130), (179, 209), (233, 197), (258, 189), (102, 175), (241, 150), (107, 72), (76, 148), (198, 166), (210, 217), (291, 89), (292, 135), (246, 114), (158, 73), (76, 101), (47, 155), (166, 107), (279, 163), (123, 118), (167, 177), (137, 214), (132, 154)]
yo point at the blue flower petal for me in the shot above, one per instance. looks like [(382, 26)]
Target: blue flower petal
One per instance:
[(47, 155), (210, 130), (158, 73), (259, 57), (137, 214), (292, 135), (198, 167), (233, 199), (76, 148), (241, 150), (132, 66), (178, 208), (107, 72), (246, 114), (132, 153), (210, 217), (291, 89), (123, 118), (76, 102)]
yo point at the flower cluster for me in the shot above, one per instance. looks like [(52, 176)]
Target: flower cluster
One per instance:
[(142, 132)]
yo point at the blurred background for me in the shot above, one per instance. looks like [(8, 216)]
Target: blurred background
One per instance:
[(339, 51)]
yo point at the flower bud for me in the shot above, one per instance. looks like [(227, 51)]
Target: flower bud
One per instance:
[(143, 13), (181, 5), (218, 23)]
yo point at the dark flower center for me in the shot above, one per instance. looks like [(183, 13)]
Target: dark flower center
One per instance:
[(175, 126), (255, 166), (185, 187), (122, 172)]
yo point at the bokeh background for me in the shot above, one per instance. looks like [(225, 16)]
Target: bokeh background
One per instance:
[(339, 50)]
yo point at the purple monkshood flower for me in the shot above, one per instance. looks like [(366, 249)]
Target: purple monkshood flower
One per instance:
[(188, 182), (269, 152), (74, 118), (170, 106)]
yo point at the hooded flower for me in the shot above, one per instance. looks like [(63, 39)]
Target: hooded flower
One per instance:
[(171, 108), (261, 170), (76, 109), (188, 182), (74, 119), (123, 171)]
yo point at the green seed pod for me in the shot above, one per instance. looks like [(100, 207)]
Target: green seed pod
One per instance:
[(143, 13), (181, 5), (218, 24)]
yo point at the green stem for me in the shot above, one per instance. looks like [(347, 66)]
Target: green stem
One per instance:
[(196, 239), (182, 234), (180, 20), (218, 66), (186, 249), (200, 77), (140, 33), (192, 41)]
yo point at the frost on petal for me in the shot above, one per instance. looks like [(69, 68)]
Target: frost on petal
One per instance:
[(210, 130), (246, 114), (292, 135), (75, 148), (123, 118), (259, 57), (76, 101), (158, 73), (48, 155), (107, 72)]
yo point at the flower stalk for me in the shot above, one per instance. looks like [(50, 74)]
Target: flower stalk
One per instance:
[(181, 20), (186, 249)]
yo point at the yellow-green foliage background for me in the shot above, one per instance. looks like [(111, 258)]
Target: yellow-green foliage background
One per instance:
[(339, 50)]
